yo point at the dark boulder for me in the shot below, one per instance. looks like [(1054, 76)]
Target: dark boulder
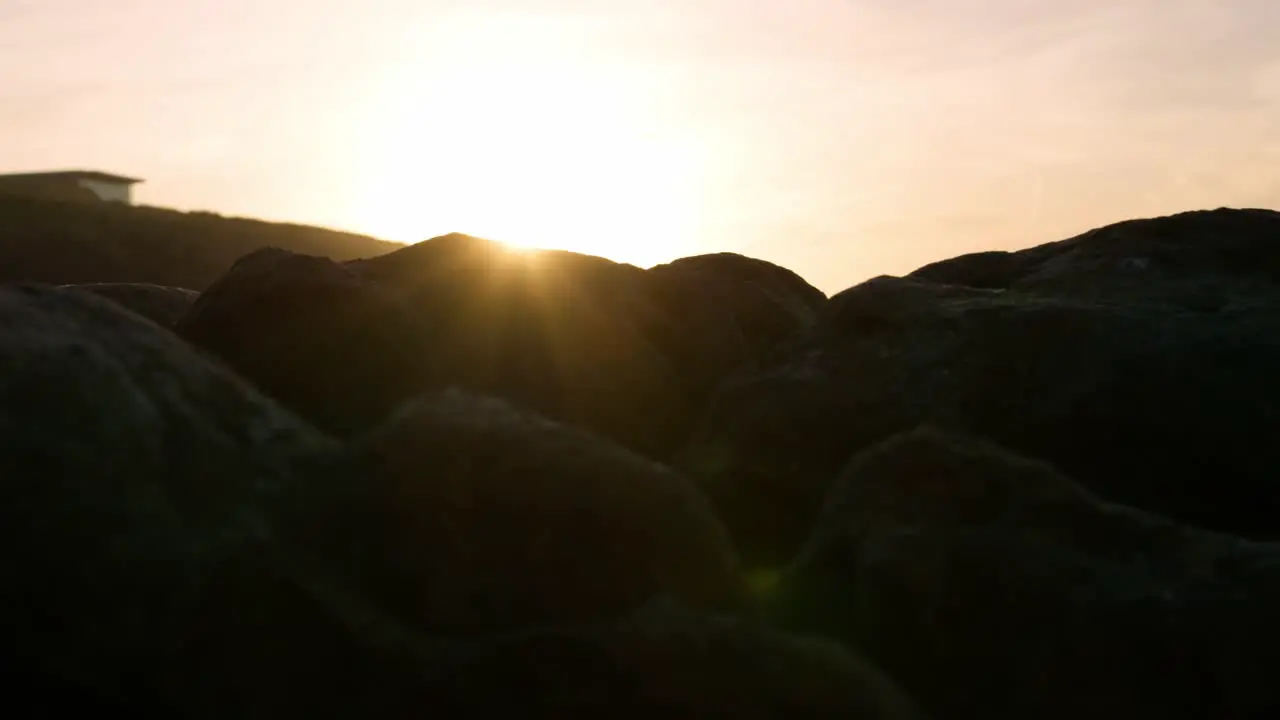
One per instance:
[(724, 312), (581, 339), (1165, 406), (162, 305), (344, 344), (310, 333), (1199, 260), (662, 662), (140, 537), (135, 474), (162, 556), (473, 517), (992, 586), (987, 270)]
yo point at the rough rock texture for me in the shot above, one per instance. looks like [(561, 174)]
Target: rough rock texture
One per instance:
[(133, 470), (160, 304), (1165, 406), (493, 533), (1198, 260), (992, 586), (162, 556), (581, 339), (297, 327), (723, 312), (663, 662), (483, 518)]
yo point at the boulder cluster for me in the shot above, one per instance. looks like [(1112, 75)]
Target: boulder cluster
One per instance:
[(456, 481)]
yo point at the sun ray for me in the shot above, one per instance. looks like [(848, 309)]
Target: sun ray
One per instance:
[(532, 146)]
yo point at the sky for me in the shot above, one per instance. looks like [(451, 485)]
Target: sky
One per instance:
[(842, 139)]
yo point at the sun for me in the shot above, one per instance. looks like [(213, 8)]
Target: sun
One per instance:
[(526, 143)]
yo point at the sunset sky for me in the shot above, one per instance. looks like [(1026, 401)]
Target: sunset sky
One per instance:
[(840, 138)]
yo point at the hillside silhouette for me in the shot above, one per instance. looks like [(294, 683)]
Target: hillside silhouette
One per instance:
[(68, 241)]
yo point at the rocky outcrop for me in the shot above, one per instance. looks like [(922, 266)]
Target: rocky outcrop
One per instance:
[(161, 305), (1010, 485), (581, 339), (176, 545), (1198, 260), (663, 662), (472, 517), (724, 312), (344, 345), (134, 472), (1156, 404), (992, 586)]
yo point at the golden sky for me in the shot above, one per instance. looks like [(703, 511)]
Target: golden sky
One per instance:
[(840, 138)]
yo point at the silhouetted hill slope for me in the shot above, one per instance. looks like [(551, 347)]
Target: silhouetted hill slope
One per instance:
[(64, 242)]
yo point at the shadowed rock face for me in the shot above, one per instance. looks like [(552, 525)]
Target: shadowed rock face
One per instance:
[(171, 547), (663, 662), (723, 312), (134, 473), (483, 530), (584, 340), (992, 586), (162, 305), (1165, 406), (1197, 260), (483, 518), (142, 567)]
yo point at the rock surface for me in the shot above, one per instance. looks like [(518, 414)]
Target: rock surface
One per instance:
[(663, 662), (134, 472), (472, 517), (168, 542), (723, 312), (1197, 260), (1165, 406), (992, 586), (581, 339), (1031, 484), (162, 305)]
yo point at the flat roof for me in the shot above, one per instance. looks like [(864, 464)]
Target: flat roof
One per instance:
[(77, 174)]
